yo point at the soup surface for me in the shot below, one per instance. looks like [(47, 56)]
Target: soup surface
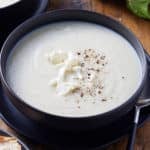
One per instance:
[(5, 3), (74, 69)]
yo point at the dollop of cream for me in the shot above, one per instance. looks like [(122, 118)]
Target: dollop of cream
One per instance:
[(69, 74), (57, 57)]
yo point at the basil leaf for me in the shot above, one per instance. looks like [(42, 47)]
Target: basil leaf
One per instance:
[(140, 7)]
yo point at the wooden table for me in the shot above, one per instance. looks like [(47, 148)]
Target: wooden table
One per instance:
[(141, 28)]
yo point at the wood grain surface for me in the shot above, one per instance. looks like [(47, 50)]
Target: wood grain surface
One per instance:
[(141, 28)]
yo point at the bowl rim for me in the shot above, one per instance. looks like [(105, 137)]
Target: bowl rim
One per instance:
[(107, 113), (43, 4), (11, 5)]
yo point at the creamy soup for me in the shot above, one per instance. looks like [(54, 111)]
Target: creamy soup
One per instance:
[(74, 69), (5, 3)]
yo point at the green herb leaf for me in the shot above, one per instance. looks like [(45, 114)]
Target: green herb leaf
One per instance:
[(140, 7)]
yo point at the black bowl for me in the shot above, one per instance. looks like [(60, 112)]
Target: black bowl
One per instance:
[(13, 15), (70, 123)]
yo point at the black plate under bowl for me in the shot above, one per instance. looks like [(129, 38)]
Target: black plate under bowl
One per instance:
[(15, 14), (6, 134), (93, 140)]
